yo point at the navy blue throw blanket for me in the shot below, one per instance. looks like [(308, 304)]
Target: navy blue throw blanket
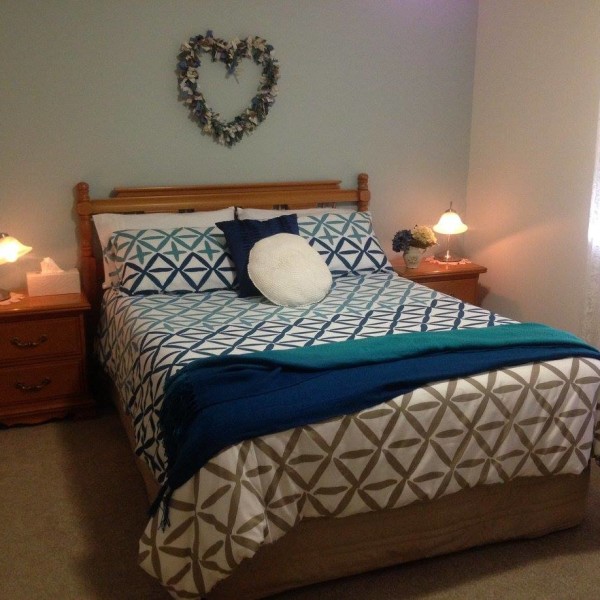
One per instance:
[(215, 402)]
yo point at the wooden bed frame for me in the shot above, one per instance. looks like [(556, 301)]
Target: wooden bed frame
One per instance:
[(329, 548), (291, 195)]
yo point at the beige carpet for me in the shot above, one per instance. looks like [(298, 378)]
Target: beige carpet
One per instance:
[(72, 507)]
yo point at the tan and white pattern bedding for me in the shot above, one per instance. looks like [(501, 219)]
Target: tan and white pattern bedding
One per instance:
[(531, 420), (525, 421)]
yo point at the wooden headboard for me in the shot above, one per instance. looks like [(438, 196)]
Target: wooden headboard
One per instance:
[(283, 195)]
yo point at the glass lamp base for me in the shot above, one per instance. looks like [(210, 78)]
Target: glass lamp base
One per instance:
[(447, 257)]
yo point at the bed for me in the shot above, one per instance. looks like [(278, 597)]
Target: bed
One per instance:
[(448, 465)]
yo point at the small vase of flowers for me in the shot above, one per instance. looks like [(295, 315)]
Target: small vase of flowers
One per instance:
[(413, 243)]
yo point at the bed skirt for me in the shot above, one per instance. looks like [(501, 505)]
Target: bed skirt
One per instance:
[(324, 549), (328, 548)]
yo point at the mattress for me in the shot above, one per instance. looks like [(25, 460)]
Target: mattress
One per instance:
[(530, 420)]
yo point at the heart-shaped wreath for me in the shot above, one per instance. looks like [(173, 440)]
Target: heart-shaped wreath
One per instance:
[(229, 53)]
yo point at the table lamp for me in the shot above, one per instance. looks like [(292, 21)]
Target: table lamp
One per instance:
[(449, 224), (10, 251)]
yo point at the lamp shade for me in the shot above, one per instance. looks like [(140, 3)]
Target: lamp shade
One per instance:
[(11, 249), (450, 223)]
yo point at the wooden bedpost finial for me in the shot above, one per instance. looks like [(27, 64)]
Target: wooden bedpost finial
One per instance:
[(82, 198), (83, 191), (363, 181), (364, 195)]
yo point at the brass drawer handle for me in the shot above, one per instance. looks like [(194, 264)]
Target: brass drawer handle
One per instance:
[(19, 344), (33, 388)]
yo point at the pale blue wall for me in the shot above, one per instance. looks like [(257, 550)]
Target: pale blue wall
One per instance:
[(89, 93)]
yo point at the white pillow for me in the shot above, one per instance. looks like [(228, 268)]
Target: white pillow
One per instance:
[(261, 214), (288, 271), (106, 224)]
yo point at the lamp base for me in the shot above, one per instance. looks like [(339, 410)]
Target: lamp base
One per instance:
[(447, 257), (4, 295)]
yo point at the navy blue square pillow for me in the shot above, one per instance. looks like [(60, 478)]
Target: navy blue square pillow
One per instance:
[(241, 235)]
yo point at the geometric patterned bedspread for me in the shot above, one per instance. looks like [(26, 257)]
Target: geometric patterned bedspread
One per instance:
[(530, 420)]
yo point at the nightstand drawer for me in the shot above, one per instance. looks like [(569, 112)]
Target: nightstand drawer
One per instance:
[(40, 338), (31, 383), (43, 359), (455, 279)]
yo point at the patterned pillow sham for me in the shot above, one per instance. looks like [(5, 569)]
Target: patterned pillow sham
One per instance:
[(171, 261), (107, 223), (346, 241)]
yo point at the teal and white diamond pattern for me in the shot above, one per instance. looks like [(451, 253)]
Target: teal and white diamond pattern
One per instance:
[(145, 339), (346, 242), (184, 259)]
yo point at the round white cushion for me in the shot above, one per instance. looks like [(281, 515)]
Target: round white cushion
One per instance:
[(288, 271)]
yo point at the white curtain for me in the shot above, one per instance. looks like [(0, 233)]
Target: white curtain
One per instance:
[(591, 316)]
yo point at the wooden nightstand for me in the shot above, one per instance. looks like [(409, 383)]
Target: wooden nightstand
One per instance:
[(43, 359), (460, 281)]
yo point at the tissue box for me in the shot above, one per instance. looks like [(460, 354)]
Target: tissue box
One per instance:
[(48, 284)]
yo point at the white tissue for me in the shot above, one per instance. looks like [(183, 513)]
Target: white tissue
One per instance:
[(53, 280), (49, 266)]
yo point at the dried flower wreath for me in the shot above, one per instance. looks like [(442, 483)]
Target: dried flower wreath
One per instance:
[(230, 54)]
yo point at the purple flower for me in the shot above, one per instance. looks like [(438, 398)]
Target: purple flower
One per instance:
[(402, 240)]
